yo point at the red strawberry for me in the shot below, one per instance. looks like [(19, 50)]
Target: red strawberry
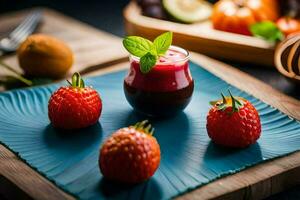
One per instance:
[(233, 122), (130, 155), (74, 106)]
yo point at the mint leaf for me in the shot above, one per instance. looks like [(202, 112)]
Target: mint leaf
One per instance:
[(147, 62), (147, 51), (138, 46), (267, 30), (163, 42)]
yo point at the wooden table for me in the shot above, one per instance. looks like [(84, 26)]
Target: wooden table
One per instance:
[(97, 53)]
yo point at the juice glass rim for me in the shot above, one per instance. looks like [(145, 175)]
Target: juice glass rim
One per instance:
[(172, 47)]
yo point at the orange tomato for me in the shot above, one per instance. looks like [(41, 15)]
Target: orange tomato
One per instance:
[(237, 15), (288, 25)]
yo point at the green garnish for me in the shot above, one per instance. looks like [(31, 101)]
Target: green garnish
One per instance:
[(137, 46), (147, 62), (148, 51), (163, 42), (267, 30)]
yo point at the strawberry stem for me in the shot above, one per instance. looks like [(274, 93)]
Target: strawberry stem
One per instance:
[(236, 104), (144, 126), (77, 81), (224, 99), (69, 82), (225, 103)]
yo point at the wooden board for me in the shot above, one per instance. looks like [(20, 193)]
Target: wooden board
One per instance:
[(201, 37), (92, 48), (254, 183)]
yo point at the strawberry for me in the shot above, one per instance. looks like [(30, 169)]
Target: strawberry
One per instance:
[(74, 106), (233, 122), (130, 155)]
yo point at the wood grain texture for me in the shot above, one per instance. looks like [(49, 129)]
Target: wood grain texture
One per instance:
[(90, 46), (27, 179), (255, 183), (201, 37)]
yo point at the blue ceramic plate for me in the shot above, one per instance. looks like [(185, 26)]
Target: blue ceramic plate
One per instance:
[(189, 159)]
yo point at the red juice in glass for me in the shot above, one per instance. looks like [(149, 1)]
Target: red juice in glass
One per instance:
[(165, 90)]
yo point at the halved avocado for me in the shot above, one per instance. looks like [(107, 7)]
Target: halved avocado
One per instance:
[(188, 11)]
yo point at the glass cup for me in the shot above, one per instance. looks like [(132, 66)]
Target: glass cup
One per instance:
[(164, 91)]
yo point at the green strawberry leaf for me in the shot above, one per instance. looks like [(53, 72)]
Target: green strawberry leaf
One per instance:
[(267, 30), (163, 42), (138, 46), (212, 103), (147, 62), (82, 85), (77, 81)]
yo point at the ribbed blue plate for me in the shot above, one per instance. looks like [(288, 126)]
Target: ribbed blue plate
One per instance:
[(189, 159)]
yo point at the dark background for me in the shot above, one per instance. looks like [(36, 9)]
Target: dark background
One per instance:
[(107, 15)]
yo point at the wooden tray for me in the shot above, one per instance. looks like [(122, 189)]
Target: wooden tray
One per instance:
[(201, 37), (256, 182)]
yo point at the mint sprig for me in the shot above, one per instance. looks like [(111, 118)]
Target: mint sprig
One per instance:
[(148, 51), (267, 30)]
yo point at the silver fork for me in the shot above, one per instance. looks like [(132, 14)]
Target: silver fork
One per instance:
[(20, 33)]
